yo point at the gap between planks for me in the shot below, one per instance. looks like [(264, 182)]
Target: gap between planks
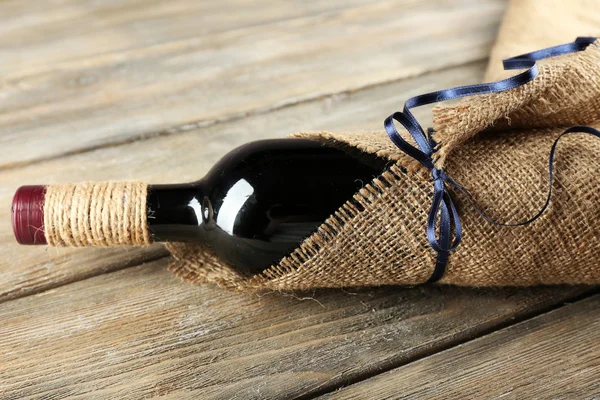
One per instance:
[(550, 356), (154, 254), (326, 389), (193, 125), (207, 78)]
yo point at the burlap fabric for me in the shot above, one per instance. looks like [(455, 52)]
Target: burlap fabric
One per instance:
[(497, 147)]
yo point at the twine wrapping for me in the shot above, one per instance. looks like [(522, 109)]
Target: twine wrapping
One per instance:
[(96, 214)]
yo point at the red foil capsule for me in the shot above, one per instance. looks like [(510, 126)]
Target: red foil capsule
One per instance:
[(28, 215)]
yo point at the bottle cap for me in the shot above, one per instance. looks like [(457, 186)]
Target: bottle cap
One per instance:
[(28, 215)]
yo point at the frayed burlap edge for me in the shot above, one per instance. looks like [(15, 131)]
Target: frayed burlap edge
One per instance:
[(302, 270), (384, 242)]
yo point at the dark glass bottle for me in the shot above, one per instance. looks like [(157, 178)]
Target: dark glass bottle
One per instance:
[(260, 200), (255, 206)]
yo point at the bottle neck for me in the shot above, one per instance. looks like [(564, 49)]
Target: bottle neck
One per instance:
[(175, 212)]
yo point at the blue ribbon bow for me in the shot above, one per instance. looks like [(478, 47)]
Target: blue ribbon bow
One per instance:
[(444, 230)]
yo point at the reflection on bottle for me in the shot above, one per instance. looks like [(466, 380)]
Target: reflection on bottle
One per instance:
[(261, 200), (232, 205)]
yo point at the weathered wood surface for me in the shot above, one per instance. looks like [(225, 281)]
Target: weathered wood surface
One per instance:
[(141, 333), (159, 91), (36, 39), (182, 158), (77, 83), (553, 356)]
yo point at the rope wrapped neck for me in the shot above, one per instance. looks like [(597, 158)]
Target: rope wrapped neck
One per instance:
[(96, 214), (444, 230)]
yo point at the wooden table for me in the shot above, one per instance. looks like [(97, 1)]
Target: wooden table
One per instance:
[(159, 91)]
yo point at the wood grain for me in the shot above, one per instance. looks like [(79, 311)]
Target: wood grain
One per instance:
[(36, 39), (159, 91), (141, 333), (127, 91), (553, 356), (182, 158)]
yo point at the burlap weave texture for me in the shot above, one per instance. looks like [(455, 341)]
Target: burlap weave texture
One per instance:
[(497, 147)]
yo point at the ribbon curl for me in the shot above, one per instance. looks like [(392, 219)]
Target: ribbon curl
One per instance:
[(444, 230)]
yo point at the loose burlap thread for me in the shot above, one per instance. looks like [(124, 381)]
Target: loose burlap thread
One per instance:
[(96, 214)]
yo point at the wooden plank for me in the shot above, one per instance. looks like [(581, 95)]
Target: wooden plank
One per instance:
[(35, 38), (180, 158), (141, 333), (553, 356), (176, 86)]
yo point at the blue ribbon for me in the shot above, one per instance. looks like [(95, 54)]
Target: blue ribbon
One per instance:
[(444, 230)]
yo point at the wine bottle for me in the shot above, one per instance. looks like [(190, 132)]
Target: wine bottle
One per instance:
[(257, 204)]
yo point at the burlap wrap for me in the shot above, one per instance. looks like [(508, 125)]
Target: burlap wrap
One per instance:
[(497, 147)]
